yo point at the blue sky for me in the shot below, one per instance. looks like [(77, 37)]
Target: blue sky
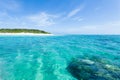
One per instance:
[(62, 16)]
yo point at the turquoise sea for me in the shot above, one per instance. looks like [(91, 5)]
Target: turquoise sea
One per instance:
[(65, 57)]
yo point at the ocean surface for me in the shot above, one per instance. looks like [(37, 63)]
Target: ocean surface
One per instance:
[(65, 57)]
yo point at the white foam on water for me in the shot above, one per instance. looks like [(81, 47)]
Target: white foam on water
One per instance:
[(5, 72), (39, 75), (19, 56), (60, 70)]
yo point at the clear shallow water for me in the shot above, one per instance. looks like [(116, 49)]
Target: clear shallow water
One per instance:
[(68, 57)]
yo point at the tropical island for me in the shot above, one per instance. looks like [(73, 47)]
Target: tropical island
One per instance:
[(31, 31)]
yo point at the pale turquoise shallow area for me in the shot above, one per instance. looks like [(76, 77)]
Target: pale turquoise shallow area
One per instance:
[(49, 57)]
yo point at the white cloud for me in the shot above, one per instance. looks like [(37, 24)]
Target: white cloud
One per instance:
[(42, 19)]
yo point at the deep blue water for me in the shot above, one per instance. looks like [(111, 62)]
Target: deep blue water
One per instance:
[(67, 57)]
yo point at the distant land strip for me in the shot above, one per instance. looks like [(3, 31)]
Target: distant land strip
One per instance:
[(23, 31)]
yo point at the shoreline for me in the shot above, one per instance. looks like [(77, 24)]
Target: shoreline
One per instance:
[(24, 34)]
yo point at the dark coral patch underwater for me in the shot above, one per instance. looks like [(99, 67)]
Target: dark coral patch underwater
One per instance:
[(86, 69)]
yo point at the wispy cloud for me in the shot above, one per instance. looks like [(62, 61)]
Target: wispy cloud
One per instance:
[(42, 19), (32, 21), (78, 19), (75, 11)]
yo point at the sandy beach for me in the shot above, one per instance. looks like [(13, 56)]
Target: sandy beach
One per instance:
[(24, 34)]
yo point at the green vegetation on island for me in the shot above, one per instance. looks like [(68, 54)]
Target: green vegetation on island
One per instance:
[(23, 31)]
